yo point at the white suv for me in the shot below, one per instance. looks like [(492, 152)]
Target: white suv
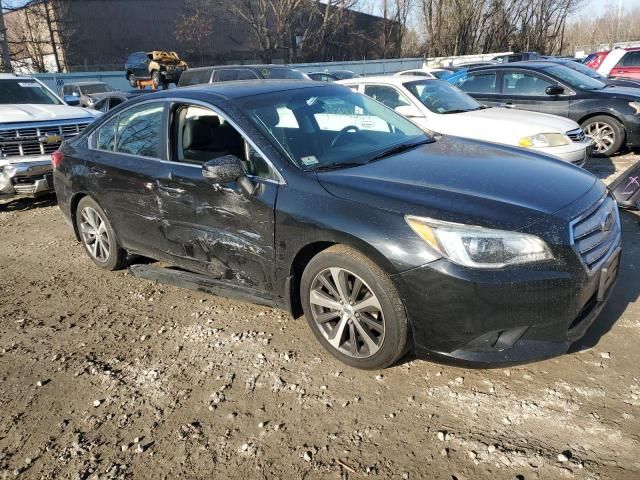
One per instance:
[(34, 121)]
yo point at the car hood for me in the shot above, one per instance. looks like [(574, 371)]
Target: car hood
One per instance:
[(464, 181), (617, 91), (501, 125), (42, 113), (622, 82)]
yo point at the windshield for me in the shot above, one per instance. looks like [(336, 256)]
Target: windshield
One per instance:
[(442, 74), (95, 88), (21, 91), (574, 79), (283, 73), (329, 127), (442, 97), (589, 72)]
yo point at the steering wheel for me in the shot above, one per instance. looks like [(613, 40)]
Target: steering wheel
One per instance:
[(341, 133)]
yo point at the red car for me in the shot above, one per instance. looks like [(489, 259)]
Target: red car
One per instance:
[(593, 60), (628, 65)]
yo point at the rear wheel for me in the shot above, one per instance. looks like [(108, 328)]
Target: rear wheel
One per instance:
[(353, 309), (98, 237), (132, 80), (607, 133)]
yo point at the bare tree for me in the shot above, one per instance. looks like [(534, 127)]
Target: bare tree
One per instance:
[(195, 27), (270, 21)]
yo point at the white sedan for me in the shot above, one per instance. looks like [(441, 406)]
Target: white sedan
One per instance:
[(440, 107)]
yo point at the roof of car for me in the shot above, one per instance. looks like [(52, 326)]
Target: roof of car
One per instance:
[(13, 76), (532, 64), (81, 84), (395, 80), (219, 67), (247, 88)]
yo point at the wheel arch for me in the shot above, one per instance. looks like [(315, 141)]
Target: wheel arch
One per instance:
[(73, 207), (308, 251)]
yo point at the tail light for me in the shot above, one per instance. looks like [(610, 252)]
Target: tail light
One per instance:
[(56, 158)]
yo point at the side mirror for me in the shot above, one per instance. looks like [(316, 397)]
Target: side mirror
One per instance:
[(71, 100), (409, 111), (554, 90), (223, 169)]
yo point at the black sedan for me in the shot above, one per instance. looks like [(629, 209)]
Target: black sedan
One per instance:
[(609, 114), (317, 199), (590, 72)]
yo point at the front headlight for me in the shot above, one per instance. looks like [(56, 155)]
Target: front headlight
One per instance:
[(545, 140), (479, 247)]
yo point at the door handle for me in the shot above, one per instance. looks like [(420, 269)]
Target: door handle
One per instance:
[(507, 105)]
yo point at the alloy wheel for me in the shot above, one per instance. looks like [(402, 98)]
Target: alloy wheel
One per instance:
[(94, 234), (347, 312), (603, 135)]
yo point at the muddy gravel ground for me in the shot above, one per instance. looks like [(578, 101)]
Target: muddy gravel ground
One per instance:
[(103, 375)]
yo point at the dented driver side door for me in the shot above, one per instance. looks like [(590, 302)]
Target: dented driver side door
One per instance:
[(220, 230)]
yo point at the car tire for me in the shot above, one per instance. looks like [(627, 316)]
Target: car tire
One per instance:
[(132, 81), (98, 237), (371, 311), (156, 79), (607, 133)]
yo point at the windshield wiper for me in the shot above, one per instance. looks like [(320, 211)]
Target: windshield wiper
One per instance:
[(403, 147), (338, 165), (460, 110)]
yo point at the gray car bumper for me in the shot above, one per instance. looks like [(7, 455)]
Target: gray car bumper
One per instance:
[(28, 178)]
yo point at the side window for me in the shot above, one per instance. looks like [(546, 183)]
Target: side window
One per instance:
[(631, 59), (227, 75), (140, 130), (517, 83), (200, 135), (386, 95), (478, 83), (246, 74), (66, 90), (105, 137)]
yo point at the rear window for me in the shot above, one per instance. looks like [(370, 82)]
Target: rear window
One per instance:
[(282, 73), (195, 76)]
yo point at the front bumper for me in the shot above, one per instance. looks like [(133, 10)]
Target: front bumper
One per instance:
[(29, 177), (496, 318), (576, 153)]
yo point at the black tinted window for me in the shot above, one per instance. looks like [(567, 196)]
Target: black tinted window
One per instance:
[(517, 83), (478, 83), (140, 130), (227, 75), (246, 75), (195, 77)]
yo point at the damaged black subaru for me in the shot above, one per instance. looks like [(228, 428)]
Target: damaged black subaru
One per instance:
[(320, 200)]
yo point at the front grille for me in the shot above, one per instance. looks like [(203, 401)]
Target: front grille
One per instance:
[(596, 232), (36, 140), (576, 135)]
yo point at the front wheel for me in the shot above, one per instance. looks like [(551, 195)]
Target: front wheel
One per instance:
[(354, 309), (132, 81), (97, 236), (607, 133)]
